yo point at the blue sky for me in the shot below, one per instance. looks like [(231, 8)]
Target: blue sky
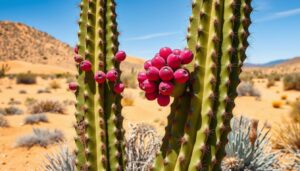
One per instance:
[(147, 25)]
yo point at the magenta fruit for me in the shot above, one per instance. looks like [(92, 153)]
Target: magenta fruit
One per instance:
[(147, 64), (163, 100), (100, 77), (141, 85), (152, 73), (112, 75), (186, 56), (174, 61), (119, 88), (120, 56), (165, 52), (166, 73), (142, 77), (76, 49), (158, 62), (151, 96), (78, 58), (149, 86), (181, 76), (176, 51), (166, 88), (86, 65), (73, 86)]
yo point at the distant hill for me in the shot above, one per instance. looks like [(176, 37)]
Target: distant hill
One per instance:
[(19, 42), (276, 63)]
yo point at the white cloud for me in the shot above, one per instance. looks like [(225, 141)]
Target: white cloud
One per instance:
[(151, 36), (282, 14)]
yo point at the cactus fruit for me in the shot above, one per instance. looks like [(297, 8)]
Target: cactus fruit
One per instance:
[(112, 75), (86, 65), (181, 76), (120, 56), (73, 86), (119, 88), (151, 96), (166, 73), (152, 73), (163, 100), (78, 58), (166, 88), (165, 52), (147, 64), (149, 86), (158, 62), (142, 76), (173, 61), (186, 56), (177, 52), (100, 77)]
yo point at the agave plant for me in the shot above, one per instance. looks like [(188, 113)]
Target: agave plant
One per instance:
[(247, 147), (62, 161)]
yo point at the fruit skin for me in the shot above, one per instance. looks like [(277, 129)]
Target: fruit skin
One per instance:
[(120, 56), (152, 73), (186, 56), (147, 64), (141, 85), (78, 58), (166, 73), (119, 88), (100, 77), (176, 51), (76, 49), (85, 65), (158, 62), (112, 75), (149, 86), (181, 76), (163, 100), (151, 96), (142, 76), (174, 61), (73, 86), (166, 88), (165, 52)]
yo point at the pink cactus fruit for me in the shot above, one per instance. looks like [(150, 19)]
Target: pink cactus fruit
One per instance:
[(186, 56), (163, 100), (142, 76), (120, 56), (73, 86), (147, 64), (158, 62), (119, 88), (78, 58), (166, 73), (149, 86), (100, 77), (152, 73), (181, 76), (76, 49), (112, 75), (166, 88), (151, 96), (86, 65), (174, 61), (165, 52), (141, 85), (176, 51)]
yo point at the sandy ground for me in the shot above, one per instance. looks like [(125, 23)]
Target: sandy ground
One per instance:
[(15, 159)]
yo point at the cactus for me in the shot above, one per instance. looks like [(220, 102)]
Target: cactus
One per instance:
[(203, 87), (99, 122)]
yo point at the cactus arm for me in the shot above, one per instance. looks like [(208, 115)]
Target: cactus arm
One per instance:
[(194, 115), (95, 93), (112, 100), (231, 74), (201, 153), (80, 141), (158, 164)]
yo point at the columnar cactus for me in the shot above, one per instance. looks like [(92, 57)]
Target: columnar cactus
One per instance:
[(99, 122)]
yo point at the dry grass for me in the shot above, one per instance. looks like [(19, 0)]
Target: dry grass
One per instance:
[(247, 89), (284, 97), (277, 104), (11, 110), (36, 119), (54, 84), (3, 122), (47, 106), (129, 80), (287, 136), (127, 100), (295, 113), (292, 81)]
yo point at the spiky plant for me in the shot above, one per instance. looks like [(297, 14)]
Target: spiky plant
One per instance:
[(248, 147), (62, 161)]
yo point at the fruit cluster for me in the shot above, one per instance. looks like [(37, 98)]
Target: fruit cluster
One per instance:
[(163, 72), (100, 77)]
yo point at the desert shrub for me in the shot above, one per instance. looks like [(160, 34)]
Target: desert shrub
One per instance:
[(284, 97), (47, 106), (291, 81), (35, 119), (295, 113), (270, 83), (274, 76), (12, 101), (246, 77), (54, 84), (23, 92), (40, 137), (11, 110), (141, 147), (30, 101), (287, 136), (46, 90), (69, 102), (248, 147), (129, 79), (62, 161), (127, 100), (27, 78), (277, 104), (3, 122), (3, 70), (247, 89)]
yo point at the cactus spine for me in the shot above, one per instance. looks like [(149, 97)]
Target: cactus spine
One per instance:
[(99, 121), (217, 35)]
